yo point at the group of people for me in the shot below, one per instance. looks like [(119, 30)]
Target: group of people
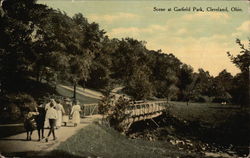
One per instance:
[(51, 115)]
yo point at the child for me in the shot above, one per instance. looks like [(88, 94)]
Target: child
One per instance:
[(29, 123)]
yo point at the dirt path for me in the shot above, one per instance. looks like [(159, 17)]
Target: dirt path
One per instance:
[(18, 144)]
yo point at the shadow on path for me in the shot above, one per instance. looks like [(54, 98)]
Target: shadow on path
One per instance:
[(38, 154), (15, 139)]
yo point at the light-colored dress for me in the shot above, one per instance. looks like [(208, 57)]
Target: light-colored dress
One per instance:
[(46, 122), (67, 109), (75, 112), (60, 111), (65, 118)]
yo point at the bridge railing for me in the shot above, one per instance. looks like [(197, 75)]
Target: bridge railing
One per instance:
[(146, 108), (89, 109), (134, 109)]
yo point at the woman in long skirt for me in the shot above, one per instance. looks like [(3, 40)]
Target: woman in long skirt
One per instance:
[(60, 112), (67, 108), (75, 112)]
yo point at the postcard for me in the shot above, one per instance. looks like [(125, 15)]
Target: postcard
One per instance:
[(124, 78)]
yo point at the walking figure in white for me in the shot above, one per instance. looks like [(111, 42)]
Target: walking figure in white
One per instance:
[(75, 112), (60, 111)]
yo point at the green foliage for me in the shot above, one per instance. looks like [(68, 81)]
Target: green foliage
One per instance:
[(240, 89), (164, 75), (56, 47), (115, 111), (42, 43), (139, 85), (242, 60), (105, 105), (203, 84), (16, 56), (185, 82), (13, 106), (48, 45), (100, 70), (222, 87), (118, 115)]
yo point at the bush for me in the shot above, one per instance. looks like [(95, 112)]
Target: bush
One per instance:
[(13, 106), (115, 110), (15, 112), (10, 113), (105, 105)]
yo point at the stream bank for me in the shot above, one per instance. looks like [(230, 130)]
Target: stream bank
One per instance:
[(229, 139)]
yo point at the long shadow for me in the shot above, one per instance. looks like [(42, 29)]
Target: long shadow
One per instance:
[(9, 139), (41, 154), (10, 131)]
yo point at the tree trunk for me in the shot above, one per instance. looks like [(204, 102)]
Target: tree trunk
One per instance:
[(74, 93)]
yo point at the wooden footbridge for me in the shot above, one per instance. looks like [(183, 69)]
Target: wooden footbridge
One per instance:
[(135, 111), (145, 110)]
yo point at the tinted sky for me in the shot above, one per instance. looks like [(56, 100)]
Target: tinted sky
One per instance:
[(200, 39)]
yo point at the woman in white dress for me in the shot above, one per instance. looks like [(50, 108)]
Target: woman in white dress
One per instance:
[(60, 112), (67, 108), (75, 112)]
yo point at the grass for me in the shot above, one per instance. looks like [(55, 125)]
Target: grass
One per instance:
[(207, 113), (219, 125), (100, 141), (222, 124)]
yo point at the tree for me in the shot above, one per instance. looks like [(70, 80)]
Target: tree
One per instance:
[(164, 75), (42, 43), (202, 86), (16, 55), (222, 86), (186, 82), (130, 66), (19, 9), (242, 61), (100, 71), (139, 85), (60, 43), (185, 76)]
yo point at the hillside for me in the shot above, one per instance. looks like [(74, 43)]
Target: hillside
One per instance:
[(85, 96)]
